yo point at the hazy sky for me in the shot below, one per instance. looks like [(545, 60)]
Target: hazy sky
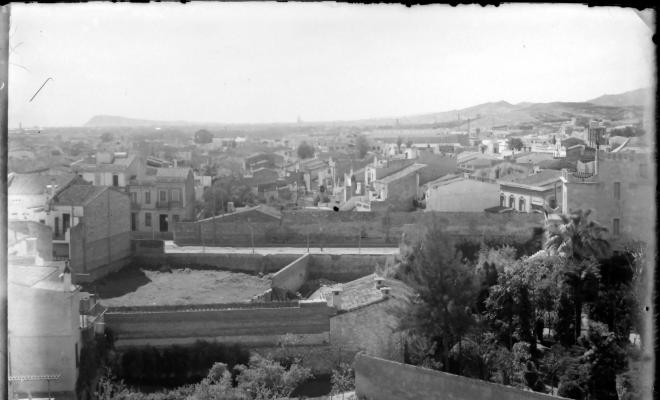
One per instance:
[(273, 62)]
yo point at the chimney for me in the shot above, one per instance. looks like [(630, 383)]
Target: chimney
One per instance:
[(379, 281), (385, 290), (596, 162), (336, 297), (66, 277)]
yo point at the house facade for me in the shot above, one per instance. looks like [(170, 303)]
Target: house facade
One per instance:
[(532, 193), (162, 197), (108, 169), (28, 194)]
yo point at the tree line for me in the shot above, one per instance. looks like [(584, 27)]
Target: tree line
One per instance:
[(556, 322)]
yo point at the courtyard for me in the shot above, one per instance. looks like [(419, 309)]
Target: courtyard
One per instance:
[(141, 287)]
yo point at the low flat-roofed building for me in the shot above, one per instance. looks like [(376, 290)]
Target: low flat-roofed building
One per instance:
[(532, 193)]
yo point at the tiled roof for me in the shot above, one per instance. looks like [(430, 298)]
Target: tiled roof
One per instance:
[(34, 184), (541, 178), (172, 172), (362, 292), (78, 195)]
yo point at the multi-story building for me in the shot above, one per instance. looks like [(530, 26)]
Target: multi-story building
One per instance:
[(29, 194), (619, 189), (91, 227), (160, 198), (531, 193), (49, 317), (108, 169)]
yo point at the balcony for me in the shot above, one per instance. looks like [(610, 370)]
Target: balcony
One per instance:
[(135, 206), (168, 205)]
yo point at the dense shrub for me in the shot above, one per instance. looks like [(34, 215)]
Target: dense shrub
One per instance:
[(175, 365)]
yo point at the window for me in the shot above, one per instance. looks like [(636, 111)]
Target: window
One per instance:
[(176, 194), (134, 197), (134, 221), (502, 200), (147, 219), (615, 227), (512, 202), (162, 195), (175, 218), (521, 204), (617, 190), (147, 197), (115, 180)]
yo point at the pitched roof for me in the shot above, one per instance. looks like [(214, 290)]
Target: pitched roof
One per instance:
[(362, 292), (172, 173), (401, 174), (35, 184), (541, 178), (78, 195)]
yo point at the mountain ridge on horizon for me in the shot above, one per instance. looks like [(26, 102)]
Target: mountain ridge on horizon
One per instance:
[(493, 110)]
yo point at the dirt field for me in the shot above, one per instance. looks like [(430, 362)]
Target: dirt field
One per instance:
[(146, 287)]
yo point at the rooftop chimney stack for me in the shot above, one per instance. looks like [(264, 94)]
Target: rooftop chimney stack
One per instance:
[(336, 297), (379, 281), (385, 290)]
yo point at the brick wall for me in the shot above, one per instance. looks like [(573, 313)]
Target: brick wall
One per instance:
[(293, 276), (251, 324), (378, 379)]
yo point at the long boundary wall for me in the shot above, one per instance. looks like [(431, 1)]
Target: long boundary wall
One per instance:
[(348, 227), (253, 324), (379, 379)]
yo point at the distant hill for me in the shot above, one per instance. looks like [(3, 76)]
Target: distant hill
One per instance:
[(626, 106), (637, 97)]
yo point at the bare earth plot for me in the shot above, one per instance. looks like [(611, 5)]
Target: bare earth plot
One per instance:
[(181, 286)]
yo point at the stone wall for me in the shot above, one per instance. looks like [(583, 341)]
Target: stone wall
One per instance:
[(372, 329), (251, 324), (345, 267), (345, 227), (247, 263), (293, 276), (378, 379)]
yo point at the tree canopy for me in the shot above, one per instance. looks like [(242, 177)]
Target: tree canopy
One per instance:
[(362, 145), (203, 136), (305, 150)]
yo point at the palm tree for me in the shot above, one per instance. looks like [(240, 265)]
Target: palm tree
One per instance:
[(577, 237), (579, 242)]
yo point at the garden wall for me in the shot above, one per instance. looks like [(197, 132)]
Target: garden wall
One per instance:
[(252, 324), (247, 263), (379, 379), (293, 276), (350, 228)]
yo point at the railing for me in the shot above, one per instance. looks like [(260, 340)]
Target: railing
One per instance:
[(162, 204)]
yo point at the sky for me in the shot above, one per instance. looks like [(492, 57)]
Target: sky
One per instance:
[(275, 62)]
